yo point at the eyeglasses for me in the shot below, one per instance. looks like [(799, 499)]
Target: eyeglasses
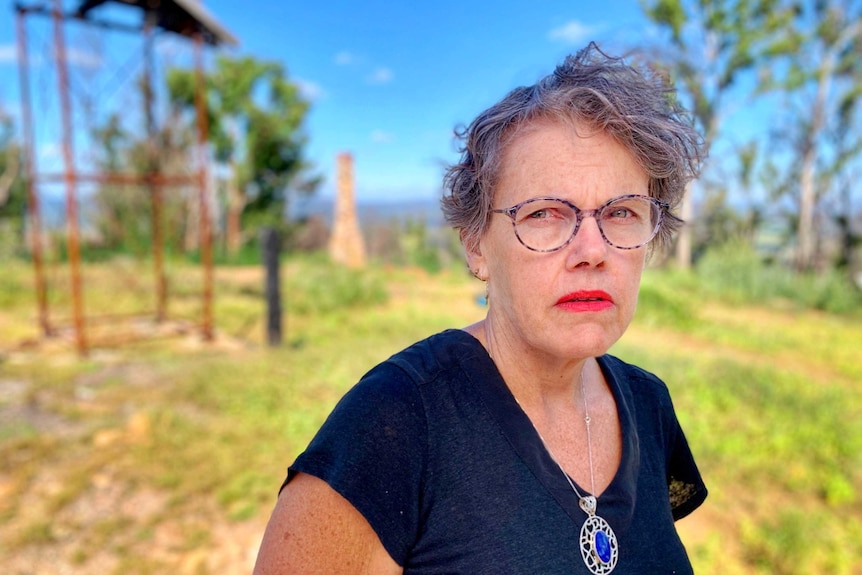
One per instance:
[(549, 224)]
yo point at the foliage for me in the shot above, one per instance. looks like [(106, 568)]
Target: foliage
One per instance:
[(802, 56), (13, 194), (819, 78), (432, 249), (122, 215), (316, 286), (255, 125), (414, 242), (255, 114), (735, 272), (712, 44), (718, 222), (710, 48)]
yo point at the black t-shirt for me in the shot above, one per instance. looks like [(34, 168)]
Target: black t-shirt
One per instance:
[(434, 451)]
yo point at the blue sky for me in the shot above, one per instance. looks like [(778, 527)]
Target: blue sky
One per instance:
[(388, 81)]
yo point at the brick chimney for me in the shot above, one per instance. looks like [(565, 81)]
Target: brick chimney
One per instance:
[(346, 245)]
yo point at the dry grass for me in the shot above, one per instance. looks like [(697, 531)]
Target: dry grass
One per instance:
[(163, 455)]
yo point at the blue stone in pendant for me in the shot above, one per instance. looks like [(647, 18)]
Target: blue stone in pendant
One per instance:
[(602, 546)]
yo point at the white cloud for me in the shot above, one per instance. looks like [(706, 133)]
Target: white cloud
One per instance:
[(74, 57), (381, 76), (344, 58), (49, 152), (8, 54), (382, 136), (9, 110), (171, 47), (84, 58), (311, 91), (572, 32)]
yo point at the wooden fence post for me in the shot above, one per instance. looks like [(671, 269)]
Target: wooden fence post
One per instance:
[(270, 243)]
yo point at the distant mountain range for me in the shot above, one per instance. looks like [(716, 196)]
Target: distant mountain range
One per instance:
[(370, 212)]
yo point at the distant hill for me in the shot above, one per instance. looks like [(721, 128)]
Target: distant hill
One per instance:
[(371, 212)]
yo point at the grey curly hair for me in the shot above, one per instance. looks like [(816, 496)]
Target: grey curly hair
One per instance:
[(634, 105)]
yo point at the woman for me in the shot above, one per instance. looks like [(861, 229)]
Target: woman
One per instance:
[(516, 445)]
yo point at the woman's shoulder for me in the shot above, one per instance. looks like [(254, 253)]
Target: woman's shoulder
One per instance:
[(401, 381), (633, 378), (622, 367), (432, 357)]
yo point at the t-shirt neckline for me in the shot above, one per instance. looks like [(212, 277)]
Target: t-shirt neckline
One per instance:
[(618, 497)]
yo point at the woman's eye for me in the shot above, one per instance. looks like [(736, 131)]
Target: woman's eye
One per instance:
[(538, 215), (546, 212), (620, 213)]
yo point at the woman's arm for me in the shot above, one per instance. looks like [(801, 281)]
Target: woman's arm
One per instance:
[(314, 530)]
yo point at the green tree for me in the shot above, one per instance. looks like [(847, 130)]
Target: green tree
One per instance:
[(712, 44), (821, 77), (13, 194), (114, 213), (256, 115), (122, 214), (844, 177)]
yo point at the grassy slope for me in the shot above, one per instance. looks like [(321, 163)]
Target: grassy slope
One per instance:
[(769, 401), (165, 456)]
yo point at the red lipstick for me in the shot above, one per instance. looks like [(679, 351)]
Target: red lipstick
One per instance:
[(586, 300)]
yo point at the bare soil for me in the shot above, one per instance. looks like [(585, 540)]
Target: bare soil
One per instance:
[(65, 509)]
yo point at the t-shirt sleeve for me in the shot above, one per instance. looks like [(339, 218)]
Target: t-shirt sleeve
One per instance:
[(686, 487), (371, 450)]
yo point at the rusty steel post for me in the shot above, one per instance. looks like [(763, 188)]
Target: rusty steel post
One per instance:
[(153, 168), (205, 226), (33, 209), (121, 179), (74, 247)]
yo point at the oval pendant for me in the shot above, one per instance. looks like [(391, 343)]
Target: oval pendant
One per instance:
[(599, 545)]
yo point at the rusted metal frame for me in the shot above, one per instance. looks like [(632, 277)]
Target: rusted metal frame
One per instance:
[(205, 228), (70, 177), (33, 209), (118, 340), (127, 332), (121, 178), (43, 10), (96, 319), (72, 224), (153, 168)]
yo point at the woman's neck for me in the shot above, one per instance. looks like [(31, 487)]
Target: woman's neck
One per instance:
[(535, 379)]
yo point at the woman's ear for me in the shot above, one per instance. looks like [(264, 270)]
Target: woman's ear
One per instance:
[(475, 259)]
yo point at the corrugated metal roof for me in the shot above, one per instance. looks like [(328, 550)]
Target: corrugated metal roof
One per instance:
[(184, 17)]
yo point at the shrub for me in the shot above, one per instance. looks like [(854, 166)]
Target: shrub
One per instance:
[(659, 306), (315, 285), (736, 272)]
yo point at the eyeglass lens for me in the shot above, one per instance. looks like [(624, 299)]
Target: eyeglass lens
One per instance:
[(548, 224)]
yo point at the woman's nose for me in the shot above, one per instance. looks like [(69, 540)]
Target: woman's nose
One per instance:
[(588, 247)]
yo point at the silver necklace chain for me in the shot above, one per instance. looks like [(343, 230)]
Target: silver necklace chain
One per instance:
[(586, 502), (598, 543), (587, 421), (599, 547)]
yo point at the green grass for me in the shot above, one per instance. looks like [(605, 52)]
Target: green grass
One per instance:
[(768, 396), (767, 393)]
